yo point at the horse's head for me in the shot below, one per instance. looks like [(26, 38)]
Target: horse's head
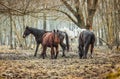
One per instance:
[(26, 32), (57, 36)]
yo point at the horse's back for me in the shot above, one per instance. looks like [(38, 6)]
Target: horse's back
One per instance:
[(86, 36), (47, 37), (40, 33), (50, 39)]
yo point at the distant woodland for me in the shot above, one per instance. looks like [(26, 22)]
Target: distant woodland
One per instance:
[(15, 15)]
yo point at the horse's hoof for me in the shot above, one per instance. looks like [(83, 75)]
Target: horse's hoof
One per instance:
[(55, 57), (63, 56), (85, 57), (35, 55), (91, 57), (52, 57), (80, 57)]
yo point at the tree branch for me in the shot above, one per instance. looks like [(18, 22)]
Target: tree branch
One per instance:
[(11, 8), (27, 6), (65, 14), (69, 7), (77, 4)]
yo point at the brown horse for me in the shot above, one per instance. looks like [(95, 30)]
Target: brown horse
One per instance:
[(51, 40)]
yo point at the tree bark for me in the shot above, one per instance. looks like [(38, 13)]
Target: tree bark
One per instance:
[(44, 21), (91, 8), (11, 29)]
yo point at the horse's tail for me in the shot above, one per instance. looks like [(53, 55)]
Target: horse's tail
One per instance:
[(80, 39), (67, 40)]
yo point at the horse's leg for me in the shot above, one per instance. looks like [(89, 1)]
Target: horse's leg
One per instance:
[(36, 49), (57, 51), (44, 52), (63, 46), (52, 52), (92, 46), (80, 51), (85, 50)]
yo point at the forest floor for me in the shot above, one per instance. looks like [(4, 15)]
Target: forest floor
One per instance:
[(21, 64)]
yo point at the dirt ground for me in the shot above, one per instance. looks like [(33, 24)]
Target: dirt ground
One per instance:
[(21, 64)]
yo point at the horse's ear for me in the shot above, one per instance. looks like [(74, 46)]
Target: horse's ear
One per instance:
[(27, 27), (57, 30), (54, 30)]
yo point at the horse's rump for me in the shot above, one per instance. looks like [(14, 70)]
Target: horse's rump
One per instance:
[(47, 39), (81, 42)]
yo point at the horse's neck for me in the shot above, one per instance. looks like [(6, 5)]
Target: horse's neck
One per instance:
[(34, 32)]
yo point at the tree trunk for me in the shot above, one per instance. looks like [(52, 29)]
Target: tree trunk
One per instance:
[(77, 17), (44, 21), (11, 29), (91, 8), (17, 35), (23, 18)]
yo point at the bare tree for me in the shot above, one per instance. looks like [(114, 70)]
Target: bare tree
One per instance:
[(77, 11)]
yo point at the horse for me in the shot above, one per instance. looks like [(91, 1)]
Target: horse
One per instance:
[(86, 38), (51, 39), (73, 34), (38, 33)]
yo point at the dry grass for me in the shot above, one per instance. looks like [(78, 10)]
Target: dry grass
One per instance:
[(20, 64)]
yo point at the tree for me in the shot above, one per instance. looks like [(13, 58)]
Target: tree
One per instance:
[(78, 13)]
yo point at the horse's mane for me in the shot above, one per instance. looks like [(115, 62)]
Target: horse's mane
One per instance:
[(36, 32), (35, 29)]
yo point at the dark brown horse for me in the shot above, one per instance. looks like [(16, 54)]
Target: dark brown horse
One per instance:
[(86, 39), (38, 33), (51, 39)]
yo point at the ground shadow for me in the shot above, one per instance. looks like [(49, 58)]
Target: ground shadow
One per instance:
[(29, 56)]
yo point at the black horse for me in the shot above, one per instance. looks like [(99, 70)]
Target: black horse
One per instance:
[(86, 38), (38, 33)]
